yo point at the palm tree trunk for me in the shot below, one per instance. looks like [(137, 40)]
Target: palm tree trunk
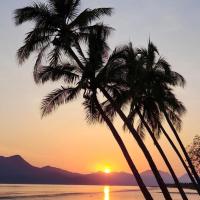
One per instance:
[(181, 158), (132, 166), (183, 148), (141, 145), (163, 156), (75, 57)]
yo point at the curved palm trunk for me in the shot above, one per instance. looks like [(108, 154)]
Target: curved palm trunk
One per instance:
[(183, 148), (141, 145), (133, 168), (163, 156), (75, 57), (181, 158)]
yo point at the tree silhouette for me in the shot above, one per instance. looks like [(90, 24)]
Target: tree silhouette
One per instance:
[(194, 152)]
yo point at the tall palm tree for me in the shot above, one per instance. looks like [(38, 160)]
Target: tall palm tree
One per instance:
[(79, 79), (58, 29), (139, 100), (170, 106), (107, 89), (145, 78)]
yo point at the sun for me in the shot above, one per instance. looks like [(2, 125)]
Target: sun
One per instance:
[(107, 170)]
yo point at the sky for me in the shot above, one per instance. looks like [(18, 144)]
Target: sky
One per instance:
[(64, 139)]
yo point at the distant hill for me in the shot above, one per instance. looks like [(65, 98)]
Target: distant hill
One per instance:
[(15, 169), (185, 179)]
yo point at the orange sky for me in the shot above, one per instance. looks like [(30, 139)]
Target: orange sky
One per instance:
[(64, 139)]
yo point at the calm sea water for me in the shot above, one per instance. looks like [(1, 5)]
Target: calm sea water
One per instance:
[(71, 192)]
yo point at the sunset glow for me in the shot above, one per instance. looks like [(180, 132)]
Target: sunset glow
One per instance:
[(107, 170)]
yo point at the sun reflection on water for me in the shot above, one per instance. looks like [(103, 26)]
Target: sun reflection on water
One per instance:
[(106, 190)]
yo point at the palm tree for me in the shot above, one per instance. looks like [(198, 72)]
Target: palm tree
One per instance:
[(108, 90), (156, 74), (145, 77), (80, 79), (171, 107), (58, 28), (139, 100)]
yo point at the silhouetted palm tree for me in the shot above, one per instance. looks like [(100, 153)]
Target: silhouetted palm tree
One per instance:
[(84, 80), (147, 80), (168, 104), (81, 78), (110, 81), (140, 99), (143, 103)]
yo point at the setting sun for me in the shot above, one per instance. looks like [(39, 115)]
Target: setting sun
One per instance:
[(107, 170)]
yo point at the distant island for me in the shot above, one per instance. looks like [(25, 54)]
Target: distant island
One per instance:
[(15, 170)]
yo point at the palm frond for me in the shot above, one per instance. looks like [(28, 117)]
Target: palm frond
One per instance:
[(90, 15), (94, 29), (108, 109), (36, 12), (92, 113), (66, 72), (65, 8), (175, 119), (74, 9), (163, 65), (38, 62), (35, 40), (152, 48), (54, 56), (140, 130), (57, 98), (177, 79), (80, 51), (119, 53)]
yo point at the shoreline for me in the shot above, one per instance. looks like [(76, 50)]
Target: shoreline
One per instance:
[(184, 185)]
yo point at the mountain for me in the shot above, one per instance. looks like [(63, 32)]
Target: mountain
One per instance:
[(15, 169), (149, 178), (185, 179)]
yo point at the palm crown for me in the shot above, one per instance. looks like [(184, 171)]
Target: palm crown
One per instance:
[(146, 84), (77, 79), (58, 27)]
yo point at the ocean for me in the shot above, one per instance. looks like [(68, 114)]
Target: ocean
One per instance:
[(72, 192)]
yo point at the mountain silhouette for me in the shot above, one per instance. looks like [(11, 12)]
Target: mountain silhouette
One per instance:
[(185, 179), (15, 170)]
